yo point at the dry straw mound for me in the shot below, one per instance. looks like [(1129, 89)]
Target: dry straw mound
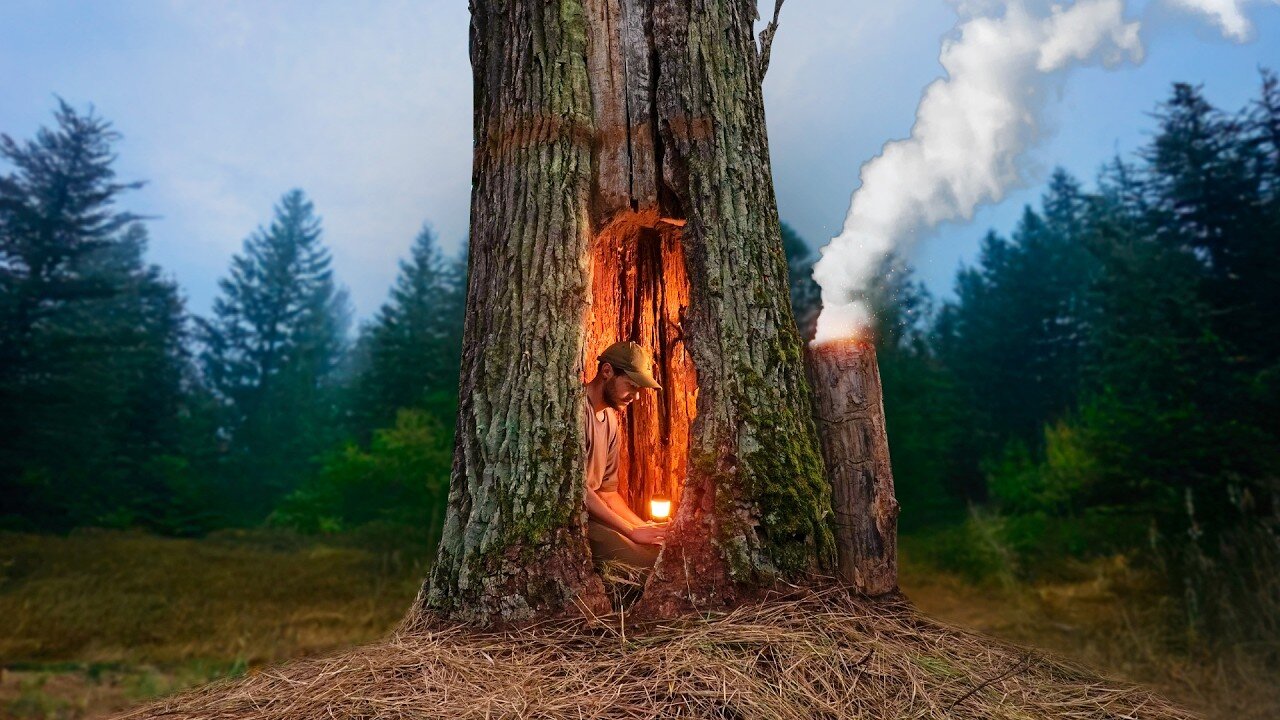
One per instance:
[(818, 654)]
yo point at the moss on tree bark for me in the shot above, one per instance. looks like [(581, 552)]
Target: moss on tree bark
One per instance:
[(588, 111)]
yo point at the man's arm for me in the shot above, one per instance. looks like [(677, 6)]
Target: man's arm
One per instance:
[(615, 501), (603, 512)]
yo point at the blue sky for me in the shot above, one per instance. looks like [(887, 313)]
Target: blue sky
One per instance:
[(367, 106)]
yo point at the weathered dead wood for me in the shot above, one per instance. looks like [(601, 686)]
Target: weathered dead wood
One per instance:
[(766, 39), (849, 408), (619, 67)]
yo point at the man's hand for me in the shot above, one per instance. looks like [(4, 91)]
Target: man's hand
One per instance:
[(647, 535)]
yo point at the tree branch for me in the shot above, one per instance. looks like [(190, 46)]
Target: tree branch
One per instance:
[(766, 39)]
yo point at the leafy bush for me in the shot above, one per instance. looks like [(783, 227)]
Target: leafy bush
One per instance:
[(401, 480), (1059, 483), (973, 549)]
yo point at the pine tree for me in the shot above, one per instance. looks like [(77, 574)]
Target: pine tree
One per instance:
[(271, 351), (1183, 329), (411, 350), (1018, 322), (1263, 131), (806, 296), (920, 400), (92, 363), (144, 362), (1151, 352), (1204, 185)]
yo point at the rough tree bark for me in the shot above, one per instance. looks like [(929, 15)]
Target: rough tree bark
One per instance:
[(512, 543), (755, 504), (622, 190), (849, 406)]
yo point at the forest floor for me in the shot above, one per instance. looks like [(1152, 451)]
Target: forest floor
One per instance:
[(101, 621)]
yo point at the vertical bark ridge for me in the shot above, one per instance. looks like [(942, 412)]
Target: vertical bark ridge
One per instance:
[(513, 543), (756, 500)]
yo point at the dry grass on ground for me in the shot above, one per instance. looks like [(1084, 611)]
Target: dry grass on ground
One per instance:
[(101, 596), (101, 620), (816, 655), (1111, 616)]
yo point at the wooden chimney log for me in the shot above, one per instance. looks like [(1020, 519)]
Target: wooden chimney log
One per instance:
[(849, 409)]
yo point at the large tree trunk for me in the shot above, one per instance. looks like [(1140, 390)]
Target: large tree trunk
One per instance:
[(755, 503), (512, 542), (622, 190)]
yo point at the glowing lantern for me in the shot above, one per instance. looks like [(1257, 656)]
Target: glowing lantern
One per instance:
[(659, 508)]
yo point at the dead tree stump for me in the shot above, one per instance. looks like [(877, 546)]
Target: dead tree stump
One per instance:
[(849, 410)]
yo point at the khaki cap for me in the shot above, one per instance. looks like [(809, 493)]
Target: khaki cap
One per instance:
[(633, 360)]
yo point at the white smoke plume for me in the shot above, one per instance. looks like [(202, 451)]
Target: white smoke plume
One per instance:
[(971, 129), (1228, 15)]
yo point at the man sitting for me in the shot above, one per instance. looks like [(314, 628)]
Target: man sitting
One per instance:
[(616, 533)]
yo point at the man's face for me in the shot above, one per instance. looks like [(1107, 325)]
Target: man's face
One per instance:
[(620, 391)]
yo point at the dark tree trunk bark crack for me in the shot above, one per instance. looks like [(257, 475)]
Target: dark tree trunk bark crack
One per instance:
[(622, 191)]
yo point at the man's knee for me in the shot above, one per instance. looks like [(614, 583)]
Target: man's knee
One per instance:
[(608, 544)]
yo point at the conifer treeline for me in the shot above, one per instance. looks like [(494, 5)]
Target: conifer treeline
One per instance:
[(119, 408), (1107, 378)]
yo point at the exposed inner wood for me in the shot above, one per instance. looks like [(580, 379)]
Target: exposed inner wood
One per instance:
[(620, 67), (638, 292)]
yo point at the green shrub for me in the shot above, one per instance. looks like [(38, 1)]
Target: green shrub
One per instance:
[(1059, 483), (973, 549), (401, 480)]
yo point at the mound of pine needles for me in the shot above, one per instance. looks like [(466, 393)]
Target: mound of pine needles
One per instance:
[(815, 653)]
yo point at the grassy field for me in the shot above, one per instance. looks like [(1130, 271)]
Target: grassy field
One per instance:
[(1108, 616), (101, 620)]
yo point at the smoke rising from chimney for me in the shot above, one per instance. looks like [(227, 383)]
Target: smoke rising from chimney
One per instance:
[(971, 130)]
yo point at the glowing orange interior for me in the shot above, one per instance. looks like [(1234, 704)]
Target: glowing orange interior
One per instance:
[(638, 292)]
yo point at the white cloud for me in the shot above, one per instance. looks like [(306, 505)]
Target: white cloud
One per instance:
[(1228, 15)]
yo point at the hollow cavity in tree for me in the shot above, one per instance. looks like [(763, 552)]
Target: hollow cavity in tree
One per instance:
[(639, 291)]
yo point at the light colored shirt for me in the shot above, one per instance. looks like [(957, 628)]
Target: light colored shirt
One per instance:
[(601, 449)]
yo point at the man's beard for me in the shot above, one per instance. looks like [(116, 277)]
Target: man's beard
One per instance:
[(613, 400)]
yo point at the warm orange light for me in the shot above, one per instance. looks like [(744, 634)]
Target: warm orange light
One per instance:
[(659, 508)]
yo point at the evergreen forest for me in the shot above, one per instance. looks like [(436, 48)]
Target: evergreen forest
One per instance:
[(1103, 379)]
